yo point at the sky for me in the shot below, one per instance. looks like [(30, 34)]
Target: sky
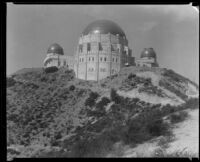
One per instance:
[(172, 30)]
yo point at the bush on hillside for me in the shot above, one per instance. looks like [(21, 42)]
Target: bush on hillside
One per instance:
[(10, 82), (171, 74), (98, 146), (101, 104), (145, 126), (168, 109), (114, 96), (173, 89), (130, 76), (51, 69), (72, 87), (90, 101), (192, 103), (178, 117), (157, 128), (100, 108)]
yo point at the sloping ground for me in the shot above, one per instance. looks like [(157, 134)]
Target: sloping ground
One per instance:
[(154, 99), (166, 87), (45, 109), (185, 140), (192, 91), (186, 134)]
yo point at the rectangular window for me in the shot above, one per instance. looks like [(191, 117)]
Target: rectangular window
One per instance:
[(112, 48), (116, 59), (113, 59), (88, 47), (89, 58), (100, 47), (80, 59), (92, 58), (102, 70), (101, 59), (118, 50), (80, 48), (113, 71), (104, 58), (91, 69)]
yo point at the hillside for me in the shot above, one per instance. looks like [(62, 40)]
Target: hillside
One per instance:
[(57, 115)]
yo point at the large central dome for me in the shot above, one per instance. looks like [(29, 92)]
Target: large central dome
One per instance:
[(104, 27)]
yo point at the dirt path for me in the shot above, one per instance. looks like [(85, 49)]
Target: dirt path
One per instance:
[(186, 137), (186, 134)]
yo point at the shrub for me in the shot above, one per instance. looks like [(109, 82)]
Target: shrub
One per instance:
[(130, 76), (101, 104), (172, 89), (72, 87), (178, 153), (43, 79), (145, 126), (90, 101), (192, 103), (103, 84), (10, 82), (157, 128), (178, 117), (51, 69), (95, 147), (114, 96)]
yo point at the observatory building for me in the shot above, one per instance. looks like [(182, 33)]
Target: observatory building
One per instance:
[(147, 58), (102, 51), (55, 57)]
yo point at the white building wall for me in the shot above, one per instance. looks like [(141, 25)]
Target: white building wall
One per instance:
[(103, 64)]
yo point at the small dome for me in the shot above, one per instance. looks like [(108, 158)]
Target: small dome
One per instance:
[(55, 48), (148, 52), (104, 27)]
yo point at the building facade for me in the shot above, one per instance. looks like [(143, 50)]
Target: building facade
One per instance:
[(147, 58), (102, 51)]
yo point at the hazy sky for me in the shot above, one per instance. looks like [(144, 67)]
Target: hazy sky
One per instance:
[(172, 30)]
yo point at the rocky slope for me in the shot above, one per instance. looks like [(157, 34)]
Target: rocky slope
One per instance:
[(55, 114)]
